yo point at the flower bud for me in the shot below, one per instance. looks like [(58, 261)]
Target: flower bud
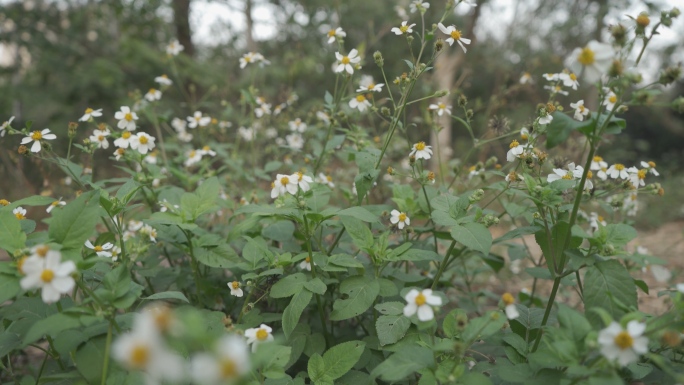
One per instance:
[(643, 20), (377, 56), (22, 150), (491, 161), (384, 111), (678, 104), (476, 196), (490, 220), (441, 93), (671, 338), (619, 33), (390, 170), (616, 68), (469, 114), (72, 129), (409, 39), (670, 75), (674, 12), (462, 100), (439, 45)]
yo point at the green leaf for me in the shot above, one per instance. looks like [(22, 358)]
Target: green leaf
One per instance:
[(9, 287), (619, 234), (358, 231), (609, 286), (359, 213), (562, 126), (74, 223), (391, 328), (341, 358), (358, 294), (280, 231), (574, 322), (316, 370), (51, 325), (316, 285), (474, 236), (11, 236), (390, 308), (8, 342), (344, 260), (288, 286), (551, 250), (404, 363), (89, 358), (222, 256), (483, 327), (168, 295), (294, 310)]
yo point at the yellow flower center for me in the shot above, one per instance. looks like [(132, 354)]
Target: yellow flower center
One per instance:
[(328, 178), (128, 116), (98, 248), (360, 98), (402, 217), (508, 299), (192, 154), (642, 174), (152, 91), (651, 164), (228, 368), (512, 176), (441, 106), (20, 216), (612, 99), (371, 86), (47, 275), (619, 166), (206, 148), (36, 135), (524, 136), (308, 259), (567, 176), (214, 121), (4, 202), (143, 140), (120, 151), (88, 110), (472, 168), (420, 146), (140, 355), (42, 251), (300, 176), (164, 76), (623, 340), (404, 28), (600, 218), (100, 138), (331, 33), (514, 144), (284, 180), (235, 285), (581, 108), (20, 264), (162, 318), (126, 135), (573, 77), (345, 60), (420, 299), (589, 174), (586, 57), (598, 159), (456, 34), (261, 334), (248, 59)]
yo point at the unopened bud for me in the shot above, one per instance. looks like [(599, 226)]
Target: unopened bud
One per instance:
[(491, 161), (476, 196), (441, 93), (22, 150), (674, 12), (384, 111), (469, 114), (462, 100), (619, 33), (490, 220), (678, 104), (390, 170), (439, 45), (72, 129), (377, 56), (671, 338), (643, 20), (616, 68), (670, 75)]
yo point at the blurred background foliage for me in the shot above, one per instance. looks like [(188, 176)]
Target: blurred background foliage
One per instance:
[(60, 57)]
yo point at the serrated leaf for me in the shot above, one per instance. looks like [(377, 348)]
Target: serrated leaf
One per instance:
[(562, 126), (74, 223), (11, 236), (359, 213), (404, 363), (358, 231), (294, 310), (474, 236), (288, 286), (605, 283), (391, 328), (168, 295), (341, 358), (360, 292), (316, 285), (390, 308)]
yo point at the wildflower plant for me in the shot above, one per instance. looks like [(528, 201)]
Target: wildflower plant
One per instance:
[(266, 244)]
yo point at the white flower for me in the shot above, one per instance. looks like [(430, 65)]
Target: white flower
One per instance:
[(421, 151), (206, 150), (325, 179), (271, 133), (650, 166), (142, 142), (368, 85), (631, 205), (100, 137), (143, 349), (192, 157), (50, 275), (441, 108), (179, 124), (418, 4), (333, 34), (153, 94), (253, 58), (302, 181), (569, 79), (556, 90), (592, 61), (610, 100), (305, 264), (263, 109), (3, 127), (150, 231), (513, 177), (197, 120), (151, 158), (473, 171), (510, 309), (470, 3), (636, 176), (163, 80), (524, 133), (100, 250), (36, 137), (90, 113), (360, 102), (580, 111), (421, 302), (126, 118), (595, 220), (54, 204), (116, 250), (344, 63), (526, 78), (400, 219), (323, 117), (256, 336), (246, 133), (623, 345), (283, 184), (404, 28), (573, 172), (597, 163), (295, 141), (680, 287), (119, 153), (174, 48), (515, 150), (235, 289), (297, 125), (551, 77), (454, 36), (618, 170), (660, 273), (225, 365), (546, 119), (19, 212)]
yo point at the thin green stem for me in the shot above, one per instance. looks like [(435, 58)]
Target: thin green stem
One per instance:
[(443, 265), (105, 362)]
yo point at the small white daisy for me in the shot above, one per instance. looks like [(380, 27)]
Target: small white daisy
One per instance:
[(421, 302)]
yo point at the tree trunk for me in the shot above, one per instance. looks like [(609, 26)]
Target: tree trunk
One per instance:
[(181, 18), (249, 27)]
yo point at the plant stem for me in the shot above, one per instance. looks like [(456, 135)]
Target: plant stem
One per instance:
[(443, 265), (105, 363)]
